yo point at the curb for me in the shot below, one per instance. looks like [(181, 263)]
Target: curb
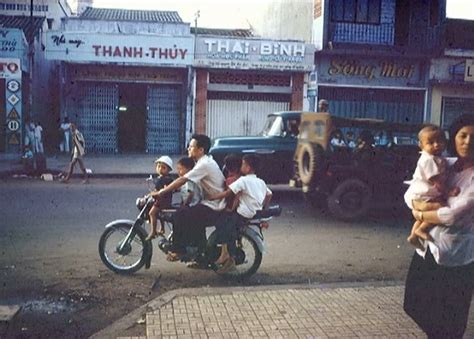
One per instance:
[(9, 175), (130, 320)]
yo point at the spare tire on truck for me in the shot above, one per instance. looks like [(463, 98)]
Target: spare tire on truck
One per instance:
[(308, 159), (350, 199)]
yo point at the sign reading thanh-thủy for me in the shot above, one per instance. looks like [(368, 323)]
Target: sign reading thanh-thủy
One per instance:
[(121, 48)]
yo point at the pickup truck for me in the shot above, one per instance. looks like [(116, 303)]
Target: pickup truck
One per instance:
[(276, 146)]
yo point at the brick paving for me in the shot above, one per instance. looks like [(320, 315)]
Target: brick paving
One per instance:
[(313, 312), (291, 313)]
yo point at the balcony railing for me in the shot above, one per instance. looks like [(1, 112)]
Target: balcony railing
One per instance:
[(381, 34)]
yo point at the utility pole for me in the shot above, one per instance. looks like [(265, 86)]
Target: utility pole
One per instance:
[(196, 17)]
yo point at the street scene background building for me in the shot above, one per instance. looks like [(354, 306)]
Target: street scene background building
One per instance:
[(143, 81)]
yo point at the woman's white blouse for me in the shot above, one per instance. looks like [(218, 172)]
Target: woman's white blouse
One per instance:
[(453, 242)]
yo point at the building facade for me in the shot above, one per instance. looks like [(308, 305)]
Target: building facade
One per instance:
[(240, 80), (452, 73), (374, 57), (142, 81), (124, 78)]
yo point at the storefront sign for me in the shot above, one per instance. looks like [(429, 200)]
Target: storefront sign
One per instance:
[(13, 45), (391, 72), (469, 72), (105, 73), (133, 49), (253, 54)]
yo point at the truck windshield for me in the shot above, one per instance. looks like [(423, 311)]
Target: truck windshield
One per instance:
[(273, 127)]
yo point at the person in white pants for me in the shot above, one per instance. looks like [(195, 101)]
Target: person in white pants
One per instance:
[(65, 128)]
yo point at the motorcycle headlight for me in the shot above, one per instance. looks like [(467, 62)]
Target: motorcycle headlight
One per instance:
[(140, 202)]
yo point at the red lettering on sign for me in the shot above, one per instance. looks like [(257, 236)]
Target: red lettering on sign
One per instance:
[(11, 66), (137, 52), (117, 52)]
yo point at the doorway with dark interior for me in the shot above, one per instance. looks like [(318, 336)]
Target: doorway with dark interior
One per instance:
[(132, 117)]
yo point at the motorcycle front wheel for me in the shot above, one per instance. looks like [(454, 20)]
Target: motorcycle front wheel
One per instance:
[(247, 258), (120, 257)]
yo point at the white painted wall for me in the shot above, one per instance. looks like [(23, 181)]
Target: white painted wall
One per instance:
[(285, 19)]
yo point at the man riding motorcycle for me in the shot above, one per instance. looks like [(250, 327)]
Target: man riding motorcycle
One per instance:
[(190, 222)]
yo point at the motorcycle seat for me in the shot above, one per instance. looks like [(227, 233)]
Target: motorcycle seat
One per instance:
[(272, 211)]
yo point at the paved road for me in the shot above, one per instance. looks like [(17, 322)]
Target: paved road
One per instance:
[(49, 260)]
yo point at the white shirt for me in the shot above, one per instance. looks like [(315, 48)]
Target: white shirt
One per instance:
[(453, 243), (65, 126), (253, 191), (207, 174), (38, 132), (338, 142), (188, 188), (427, 167)]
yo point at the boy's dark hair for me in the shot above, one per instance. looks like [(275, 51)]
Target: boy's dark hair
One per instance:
[(202, 141), (233, 162), (186, 162), (252, 160)]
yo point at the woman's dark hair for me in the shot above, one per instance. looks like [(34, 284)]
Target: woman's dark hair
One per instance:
[(202, 141), (233, 162), (460, 122), (186, 162)]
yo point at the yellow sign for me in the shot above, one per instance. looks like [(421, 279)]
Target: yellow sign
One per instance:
[(13, 139), (469, 72)]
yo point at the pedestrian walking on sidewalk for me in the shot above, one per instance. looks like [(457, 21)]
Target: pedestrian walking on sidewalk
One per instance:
[(78, 152), (38, 146), (440, 280)]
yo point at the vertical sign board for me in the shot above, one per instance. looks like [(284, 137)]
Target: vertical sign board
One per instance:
[(469, 72), (10, 70)]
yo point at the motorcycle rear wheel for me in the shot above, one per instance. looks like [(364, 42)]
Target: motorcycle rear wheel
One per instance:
[(247, 259), (133, 255)]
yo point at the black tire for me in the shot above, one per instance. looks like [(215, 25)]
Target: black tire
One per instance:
[(110, 240), (350, 200), (307, 159), (248, 259)]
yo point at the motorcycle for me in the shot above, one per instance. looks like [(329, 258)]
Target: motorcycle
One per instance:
[(123, 248)]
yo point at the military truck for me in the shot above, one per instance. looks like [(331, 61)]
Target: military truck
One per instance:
[(350, 165)]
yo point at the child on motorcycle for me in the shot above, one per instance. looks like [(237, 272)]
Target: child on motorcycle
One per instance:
[(163, 167), (232, 165), (253, 194), (190, 192)]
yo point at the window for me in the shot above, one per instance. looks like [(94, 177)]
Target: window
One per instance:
[(11, 7), (356, 11)]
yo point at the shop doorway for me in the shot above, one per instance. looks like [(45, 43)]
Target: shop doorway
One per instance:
[(132, 118)]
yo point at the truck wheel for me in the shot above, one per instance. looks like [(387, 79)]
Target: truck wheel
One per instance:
[(308, 159), (350, 200)]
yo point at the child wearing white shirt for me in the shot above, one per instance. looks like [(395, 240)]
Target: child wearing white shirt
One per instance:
[(253, 195), (429, 179)]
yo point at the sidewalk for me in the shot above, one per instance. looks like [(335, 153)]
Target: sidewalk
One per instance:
[(101, 165), (340, 310)]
